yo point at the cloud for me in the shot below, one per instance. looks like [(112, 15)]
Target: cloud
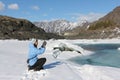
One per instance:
[(35, 7), (2, 6), (13, 6), (87, 17)]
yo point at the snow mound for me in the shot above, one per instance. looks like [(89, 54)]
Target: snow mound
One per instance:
[(75, 47)]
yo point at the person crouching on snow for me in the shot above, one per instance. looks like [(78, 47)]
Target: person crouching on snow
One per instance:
[(35, 63)]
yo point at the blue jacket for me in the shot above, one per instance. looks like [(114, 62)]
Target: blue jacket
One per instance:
[(33, 53)]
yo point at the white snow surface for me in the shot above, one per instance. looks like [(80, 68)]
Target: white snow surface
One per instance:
[(13, 66)]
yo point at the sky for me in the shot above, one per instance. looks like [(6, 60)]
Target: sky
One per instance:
[(47, 10)]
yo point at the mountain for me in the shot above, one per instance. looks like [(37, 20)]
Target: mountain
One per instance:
[(110, 21), (106, 27), (13, 28), (57, 26)]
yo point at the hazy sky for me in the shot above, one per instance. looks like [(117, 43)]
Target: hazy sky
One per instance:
[(72, 10)]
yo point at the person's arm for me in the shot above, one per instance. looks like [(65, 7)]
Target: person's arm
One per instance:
[(44, 44), (39, 51), (42, 48)]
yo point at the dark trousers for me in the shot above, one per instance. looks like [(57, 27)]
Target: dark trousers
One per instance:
[(38, 65)]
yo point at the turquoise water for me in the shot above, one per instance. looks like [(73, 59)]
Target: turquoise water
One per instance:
[(104, 55)]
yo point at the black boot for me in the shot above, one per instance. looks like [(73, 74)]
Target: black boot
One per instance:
[(38, 69), (30, 68)]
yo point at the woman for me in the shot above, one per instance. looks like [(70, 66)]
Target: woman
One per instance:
[(33, 62)]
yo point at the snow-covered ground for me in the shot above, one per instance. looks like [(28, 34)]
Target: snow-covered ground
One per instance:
[(13, 55)]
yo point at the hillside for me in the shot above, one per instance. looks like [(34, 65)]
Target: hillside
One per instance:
[(106, 27), (13, 28), (110, 21)]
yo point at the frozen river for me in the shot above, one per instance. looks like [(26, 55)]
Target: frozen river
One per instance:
[(104, 55)]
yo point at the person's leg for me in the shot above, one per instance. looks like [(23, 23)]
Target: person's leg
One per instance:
[(30, 67), (39, 64)]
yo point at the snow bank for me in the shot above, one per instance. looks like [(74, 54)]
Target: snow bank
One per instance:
[(94, 41)]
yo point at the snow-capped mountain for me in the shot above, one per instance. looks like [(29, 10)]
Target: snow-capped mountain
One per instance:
[(57, 26)]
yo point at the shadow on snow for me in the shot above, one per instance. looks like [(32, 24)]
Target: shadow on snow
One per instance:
[(52, 65)]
